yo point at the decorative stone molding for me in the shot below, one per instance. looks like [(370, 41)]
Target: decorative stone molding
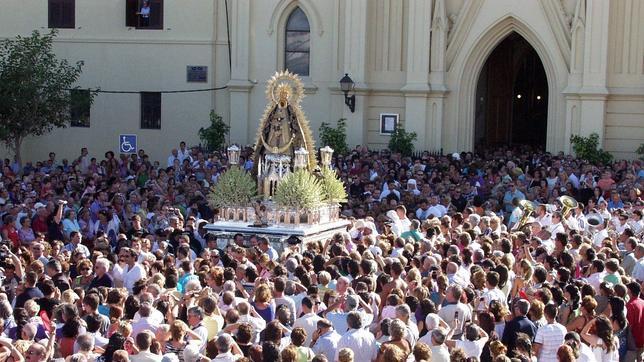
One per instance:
[(471, 68), (559, 24), (461, 28), (284, 7)]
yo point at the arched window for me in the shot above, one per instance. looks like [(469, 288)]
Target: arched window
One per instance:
[(297, 47)]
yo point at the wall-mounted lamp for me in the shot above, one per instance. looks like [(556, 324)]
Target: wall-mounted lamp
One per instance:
[(347, 85)]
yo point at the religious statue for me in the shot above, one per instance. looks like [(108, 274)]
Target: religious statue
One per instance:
[(282, 130), (260, 214)]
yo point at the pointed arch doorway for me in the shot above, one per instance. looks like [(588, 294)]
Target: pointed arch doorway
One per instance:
[(511, 97)]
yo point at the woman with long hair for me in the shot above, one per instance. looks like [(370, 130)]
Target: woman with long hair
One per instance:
[(599, 335), (116, 343), (587, 309)]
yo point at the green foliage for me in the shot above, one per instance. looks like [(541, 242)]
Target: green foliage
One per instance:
[(214, 137), (335, 138), (34, 88), (300, 190), (587, 148), (402, 141), (333, 189), (640, 151), (235, 187)]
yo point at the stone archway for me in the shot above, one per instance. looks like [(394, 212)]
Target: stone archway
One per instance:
[(471, 70), (511, 97)]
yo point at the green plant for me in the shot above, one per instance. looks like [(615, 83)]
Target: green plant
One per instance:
[(35, 89), (640, 151), (335, 138), (300, 190), (333, 189), (402, 141), (214, 137), (587, 148), (235, 187)]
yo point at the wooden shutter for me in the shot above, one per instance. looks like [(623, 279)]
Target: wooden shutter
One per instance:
[(69, 14), (131, 8), (62, 14), (156, 14)]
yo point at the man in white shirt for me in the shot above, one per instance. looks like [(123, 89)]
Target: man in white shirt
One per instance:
[(440, 353), (597, 273), (550, 336), (309, 319), (435, 208), (224, 345), (174, 155), (195, 318), (492, 292), (325, 339), (144, 323), (557, 226), (358, 339), (455, 309), (143, 342), (133, 271)]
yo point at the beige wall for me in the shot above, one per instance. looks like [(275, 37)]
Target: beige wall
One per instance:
[(592, 51)]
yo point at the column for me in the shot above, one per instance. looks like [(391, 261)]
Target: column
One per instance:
[(417, 88), (593, 91), (575, 77), (355, 25), (239, 85), (440, 28)]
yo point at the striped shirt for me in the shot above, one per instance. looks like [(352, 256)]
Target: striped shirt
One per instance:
[(551, 337)]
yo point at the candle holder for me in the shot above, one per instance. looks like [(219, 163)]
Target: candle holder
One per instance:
[(326, 154), (233, 155)]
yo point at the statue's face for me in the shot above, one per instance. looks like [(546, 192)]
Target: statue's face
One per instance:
[(280, 113)]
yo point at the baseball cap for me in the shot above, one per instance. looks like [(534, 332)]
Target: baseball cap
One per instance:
[(39, 205)]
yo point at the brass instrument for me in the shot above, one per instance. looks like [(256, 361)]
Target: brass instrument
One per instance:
[(528, 209), (567, 204), (592, 223)]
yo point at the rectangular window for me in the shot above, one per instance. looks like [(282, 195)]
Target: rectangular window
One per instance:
[(62, 14), (80, 108), (144, 14), (151, 110)]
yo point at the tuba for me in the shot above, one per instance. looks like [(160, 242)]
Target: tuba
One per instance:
[(567, 204), (528, 209), (593, 221)]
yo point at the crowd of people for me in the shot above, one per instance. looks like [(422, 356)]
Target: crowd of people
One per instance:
[(109, 260)]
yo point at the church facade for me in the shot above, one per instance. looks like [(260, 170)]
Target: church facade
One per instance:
[(459, 73)]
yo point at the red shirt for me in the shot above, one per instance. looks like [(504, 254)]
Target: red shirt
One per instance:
[(12, 234), (39, 225), (635, 317)]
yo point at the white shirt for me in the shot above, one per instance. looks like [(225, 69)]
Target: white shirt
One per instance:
[(362, 342), (638, 271), (472, 348), (599, 237), (464, 315), (145, 356), (132, 275), (309, 322), (327, 344), (225, 357), (440, 353), (143, 324), (556, 228), (551, 337), (437, 210)]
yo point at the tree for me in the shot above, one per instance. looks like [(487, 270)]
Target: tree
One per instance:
[(214, 137), (587, 148), (336, 138), (35, 89), (402, 141)]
